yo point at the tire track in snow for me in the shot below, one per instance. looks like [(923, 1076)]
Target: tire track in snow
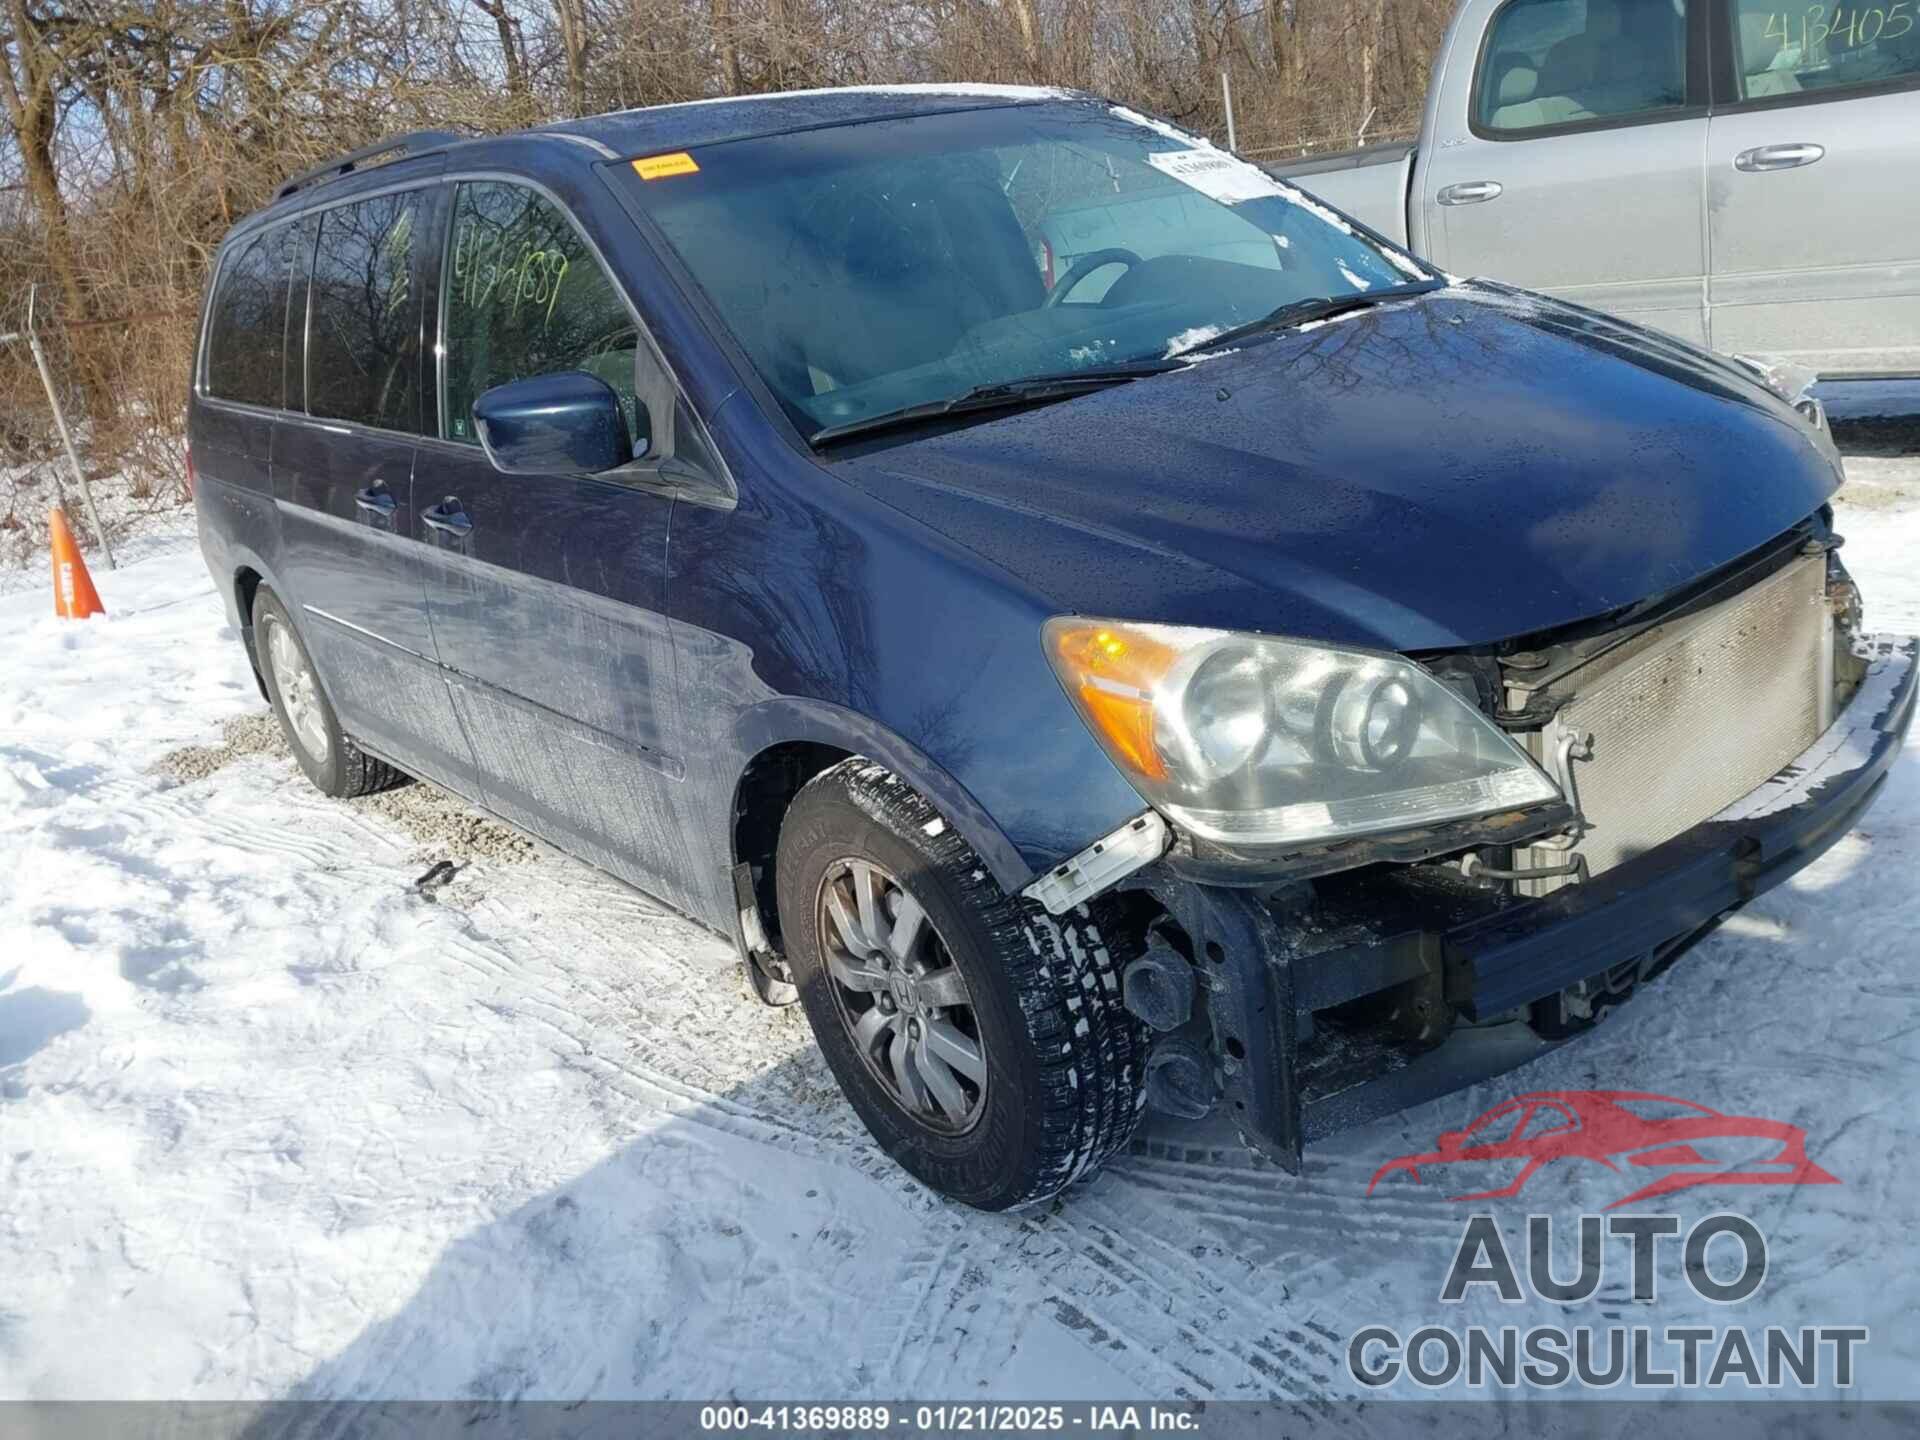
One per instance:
[(972, 1325), (587, 890), (1174, 1307), (1175, 1268), (163, 808), (659, 1091), (1291, 1207), (913, 1294)]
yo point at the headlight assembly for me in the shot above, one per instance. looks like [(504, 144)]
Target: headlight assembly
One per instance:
[(1244, 739)]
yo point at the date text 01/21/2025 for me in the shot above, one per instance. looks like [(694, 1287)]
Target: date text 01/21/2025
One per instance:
[(950, 1417)]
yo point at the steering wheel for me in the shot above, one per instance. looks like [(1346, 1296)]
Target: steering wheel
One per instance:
[(1085, 266)]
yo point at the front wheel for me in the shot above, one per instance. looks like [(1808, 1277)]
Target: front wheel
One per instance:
[(982, 1041)]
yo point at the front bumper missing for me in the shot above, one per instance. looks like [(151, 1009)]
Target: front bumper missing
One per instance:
[(1287, 1077)]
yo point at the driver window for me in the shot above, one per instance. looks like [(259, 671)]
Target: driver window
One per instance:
[(525, 296), (1550, 63)]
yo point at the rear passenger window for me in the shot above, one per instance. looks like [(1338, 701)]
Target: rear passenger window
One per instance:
[(363, 331), (244, 332), (1549, 63), (1795, 48), (525, 296)]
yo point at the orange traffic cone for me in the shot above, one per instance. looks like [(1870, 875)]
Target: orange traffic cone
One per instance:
[(74, 597)]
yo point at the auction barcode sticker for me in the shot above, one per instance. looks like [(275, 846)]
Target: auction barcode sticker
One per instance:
[(659, 167), (1216, 174)]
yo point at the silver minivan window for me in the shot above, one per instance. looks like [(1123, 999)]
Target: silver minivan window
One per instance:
[(1795, 47), (1549, 63)]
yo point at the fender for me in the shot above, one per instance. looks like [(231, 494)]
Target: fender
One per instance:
[(790, 719), (226, 557)]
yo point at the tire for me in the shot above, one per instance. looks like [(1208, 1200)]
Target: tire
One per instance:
[(335, 765), (1063, 1061)]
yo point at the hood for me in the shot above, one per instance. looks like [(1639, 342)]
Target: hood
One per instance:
[(1445, 470)]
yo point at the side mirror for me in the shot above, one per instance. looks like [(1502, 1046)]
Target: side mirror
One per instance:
[(565, 423)]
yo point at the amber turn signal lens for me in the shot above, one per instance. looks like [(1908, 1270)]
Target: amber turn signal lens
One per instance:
[(1112, 671)]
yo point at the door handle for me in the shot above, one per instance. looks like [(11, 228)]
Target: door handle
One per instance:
[(448, 517), (376, 499), (1469, 192), (1778, 157)]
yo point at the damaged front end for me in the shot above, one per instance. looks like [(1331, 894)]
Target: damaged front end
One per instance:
[(1703, 748)]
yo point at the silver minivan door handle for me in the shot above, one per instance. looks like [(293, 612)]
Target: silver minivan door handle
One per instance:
[(1778, 157), (1470, 192)]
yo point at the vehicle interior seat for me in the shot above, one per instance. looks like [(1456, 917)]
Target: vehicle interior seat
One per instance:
[(1520, 105), (1629, 58), (1575, 64), (1501, 88)]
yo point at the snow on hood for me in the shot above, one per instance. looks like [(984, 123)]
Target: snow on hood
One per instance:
[(1192, 339)]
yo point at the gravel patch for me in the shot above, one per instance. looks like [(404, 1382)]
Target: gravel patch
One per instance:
[(448, 827), (244, 735), (444, 825)]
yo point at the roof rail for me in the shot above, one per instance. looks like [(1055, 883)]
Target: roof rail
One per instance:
[(415, 142)]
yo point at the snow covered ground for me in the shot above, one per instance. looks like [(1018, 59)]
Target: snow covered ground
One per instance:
[(272, 1121)]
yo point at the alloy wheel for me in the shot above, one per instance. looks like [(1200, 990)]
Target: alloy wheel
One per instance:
[(299, 691), (903, 1000)]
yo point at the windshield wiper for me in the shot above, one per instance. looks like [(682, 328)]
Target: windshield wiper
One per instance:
[(1318, 307), (1002, 394)]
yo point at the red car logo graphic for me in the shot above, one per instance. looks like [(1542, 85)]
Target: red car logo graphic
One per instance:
[(1690, 1143)]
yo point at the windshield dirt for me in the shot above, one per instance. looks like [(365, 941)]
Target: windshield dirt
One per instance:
[(867, 269)]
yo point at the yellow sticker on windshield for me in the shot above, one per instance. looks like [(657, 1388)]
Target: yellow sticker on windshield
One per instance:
[(659, 167)]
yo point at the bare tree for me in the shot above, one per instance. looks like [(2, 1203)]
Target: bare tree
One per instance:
[(40, 67), (138, 131), (512, 44)]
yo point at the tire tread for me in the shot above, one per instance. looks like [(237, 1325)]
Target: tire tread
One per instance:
[(361, 774)]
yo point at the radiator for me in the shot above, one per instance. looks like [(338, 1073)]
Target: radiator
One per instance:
[(1691, 715)]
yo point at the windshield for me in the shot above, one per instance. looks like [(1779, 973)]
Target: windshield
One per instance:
[(872, 267)]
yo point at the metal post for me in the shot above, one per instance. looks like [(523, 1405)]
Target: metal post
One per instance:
[(1226, 99), (60, 423)]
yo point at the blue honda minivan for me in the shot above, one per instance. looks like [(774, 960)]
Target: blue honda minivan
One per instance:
[(1239, 667)]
